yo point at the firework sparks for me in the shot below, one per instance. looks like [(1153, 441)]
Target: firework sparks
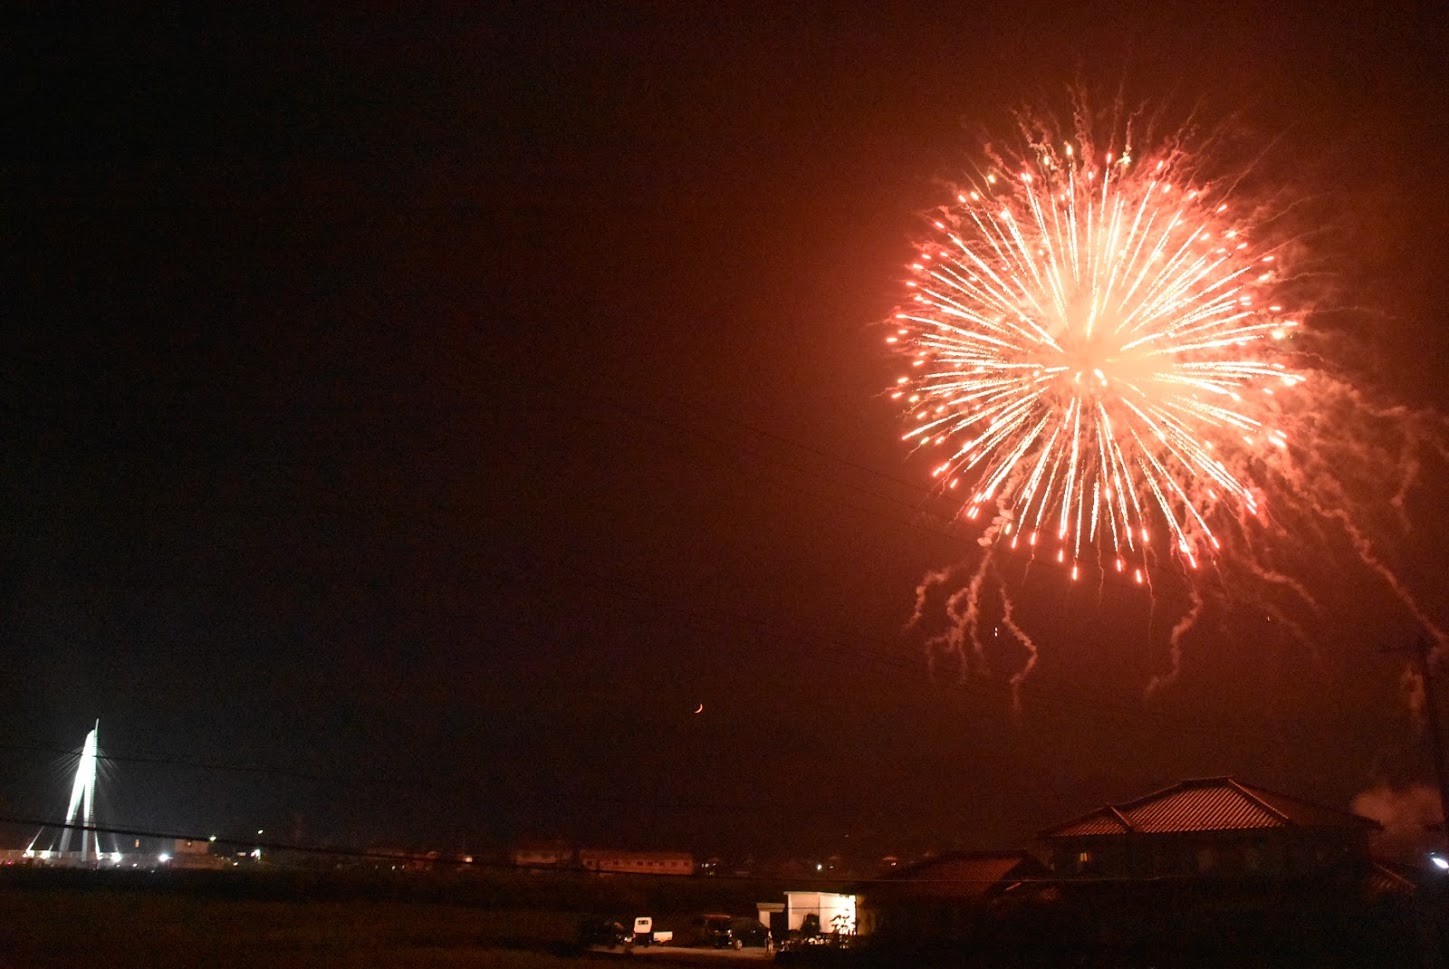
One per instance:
[(1097, 364), (1093, 349)]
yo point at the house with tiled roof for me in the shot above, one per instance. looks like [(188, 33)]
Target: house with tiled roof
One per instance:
[(1212, 826), (945, 895)]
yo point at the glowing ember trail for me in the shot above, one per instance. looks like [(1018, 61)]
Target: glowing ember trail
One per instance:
[(1092, 341)]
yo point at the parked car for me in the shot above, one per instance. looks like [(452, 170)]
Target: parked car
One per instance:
[(714, 931), (646, 934), (719, 931), (748, 933), (705, 931), (604, 932)]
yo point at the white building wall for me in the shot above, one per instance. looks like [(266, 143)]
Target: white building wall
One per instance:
[(829, 906)]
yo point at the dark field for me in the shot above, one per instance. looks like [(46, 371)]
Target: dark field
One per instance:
[(130, 929), (282, 920), (287, 919)]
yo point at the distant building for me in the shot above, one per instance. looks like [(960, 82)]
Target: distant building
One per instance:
[(942, 897), (187, 852), (637, 862), (191, 853), (390, 858), (1212, 826), (542, 854), (810, 914), (1210, 865)]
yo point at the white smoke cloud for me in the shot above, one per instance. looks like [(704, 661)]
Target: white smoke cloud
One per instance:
[(1406, 814)]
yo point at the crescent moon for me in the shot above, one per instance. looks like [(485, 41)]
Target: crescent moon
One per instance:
[(699, 709)]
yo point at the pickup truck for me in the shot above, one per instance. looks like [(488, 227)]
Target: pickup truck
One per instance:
[(646, 934)]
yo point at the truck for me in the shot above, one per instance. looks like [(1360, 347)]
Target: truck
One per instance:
[(646, 934)]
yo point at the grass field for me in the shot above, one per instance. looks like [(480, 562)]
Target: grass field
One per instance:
[(159, 931), (283, 919)]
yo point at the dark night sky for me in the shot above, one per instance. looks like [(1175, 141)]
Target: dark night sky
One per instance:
[(448, 403)]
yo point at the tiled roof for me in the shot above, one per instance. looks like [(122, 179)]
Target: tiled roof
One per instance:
[(1207, 804), (1099, 822), (1383, 880), (958, 874)]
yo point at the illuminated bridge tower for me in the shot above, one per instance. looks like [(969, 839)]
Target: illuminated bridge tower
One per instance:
[(82, 803)]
